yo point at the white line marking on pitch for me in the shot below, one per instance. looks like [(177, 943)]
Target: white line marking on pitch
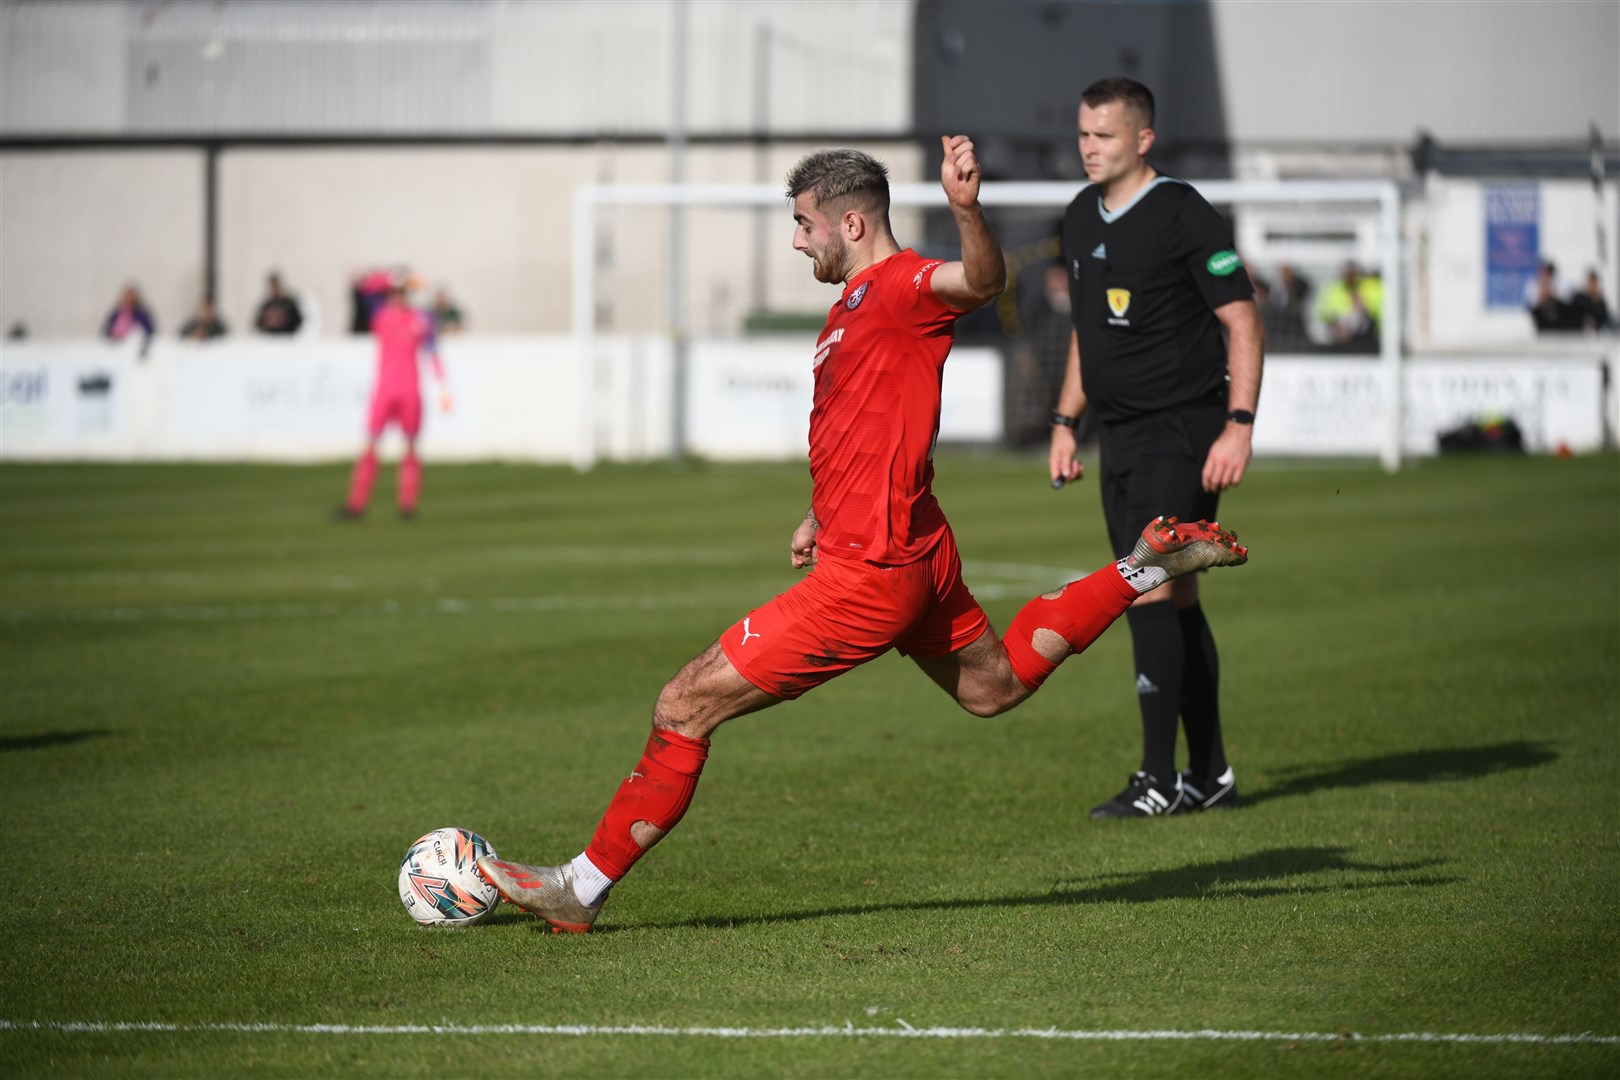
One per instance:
[(905, 1031)]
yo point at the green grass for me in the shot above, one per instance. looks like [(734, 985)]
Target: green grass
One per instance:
[(224, 719)]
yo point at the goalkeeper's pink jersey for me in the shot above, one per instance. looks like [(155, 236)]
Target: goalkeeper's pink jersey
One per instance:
[(402, 334)]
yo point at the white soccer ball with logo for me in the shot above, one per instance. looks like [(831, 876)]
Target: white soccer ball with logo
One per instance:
[(439, 882)]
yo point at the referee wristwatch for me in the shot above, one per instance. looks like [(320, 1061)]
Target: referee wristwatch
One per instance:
[(1070, 422), (1241, 416)]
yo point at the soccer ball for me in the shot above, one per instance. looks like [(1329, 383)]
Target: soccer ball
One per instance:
[(439, 883)]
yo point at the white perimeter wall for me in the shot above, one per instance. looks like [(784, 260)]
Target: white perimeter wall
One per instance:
[(518, 399), (514, 398)]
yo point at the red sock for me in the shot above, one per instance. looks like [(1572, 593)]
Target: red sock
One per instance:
[(1080, 612), (365, 472), (410, 481), (658, 793)]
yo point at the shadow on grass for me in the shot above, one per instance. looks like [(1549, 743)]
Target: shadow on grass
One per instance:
[(1262, 874), (47, 739), (1419, 767)]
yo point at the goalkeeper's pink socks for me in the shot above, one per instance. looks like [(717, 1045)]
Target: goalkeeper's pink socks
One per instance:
[(410, 482), (649, 803), (1078, 613), (360, 481)]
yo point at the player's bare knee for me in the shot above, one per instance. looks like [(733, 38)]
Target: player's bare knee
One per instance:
[(981, 707), (673, 711), (987, 699)]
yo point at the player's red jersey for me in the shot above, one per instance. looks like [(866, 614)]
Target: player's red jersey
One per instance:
[(878, 368)]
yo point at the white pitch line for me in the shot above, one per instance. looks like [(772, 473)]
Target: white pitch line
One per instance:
[(847, 1031)]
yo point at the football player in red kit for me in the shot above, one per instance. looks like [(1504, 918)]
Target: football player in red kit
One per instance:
[(884, 569)]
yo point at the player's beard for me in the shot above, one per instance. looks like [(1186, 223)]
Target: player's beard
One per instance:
[(831, 264)]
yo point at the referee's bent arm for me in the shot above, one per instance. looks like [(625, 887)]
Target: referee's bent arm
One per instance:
[(1245, 352)]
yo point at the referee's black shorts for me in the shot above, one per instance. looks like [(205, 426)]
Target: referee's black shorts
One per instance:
[(1154, 465)]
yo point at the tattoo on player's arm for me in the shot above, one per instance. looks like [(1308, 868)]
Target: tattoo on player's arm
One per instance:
[(810, 516)]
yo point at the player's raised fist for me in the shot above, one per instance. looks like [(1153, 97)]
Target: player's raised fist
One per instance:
[(959, 171)]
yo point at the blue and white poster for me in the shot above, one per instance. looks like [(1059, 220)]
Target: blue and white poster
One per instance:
[(1512, 242)]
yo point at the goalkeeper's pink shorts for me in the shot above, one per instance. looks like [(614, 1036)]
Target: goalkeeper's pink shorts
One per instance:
[(402, 409)]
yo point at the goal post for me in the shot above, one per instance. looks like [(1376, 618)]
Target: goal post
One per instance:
[(1379, 199)]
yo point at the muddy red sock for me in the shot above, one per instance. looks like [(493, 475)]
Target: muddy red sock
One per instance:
[(655, 795), (1079, 612)]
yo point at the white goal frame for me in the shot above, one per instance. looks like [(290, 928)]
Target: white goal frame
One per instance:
[(590, 198)]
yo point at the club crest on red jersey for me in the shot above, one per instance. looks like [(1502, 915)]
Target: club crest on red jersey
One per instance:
[(857, 296)]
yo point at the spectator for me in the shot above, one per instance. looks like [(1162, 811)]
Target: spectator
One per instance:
[(1292, 289), (18, 331), (1547, 300), (1589, 308), (127, 315), (370, 290), (279, 313), (206, 324), (1265, 302), (367, 291), (446, 313), (1284, 310), (1351, 309)]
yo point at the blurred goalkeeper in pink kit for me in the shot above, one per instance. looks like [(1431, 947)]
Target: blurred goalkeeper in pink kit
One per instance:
[(403, 335)]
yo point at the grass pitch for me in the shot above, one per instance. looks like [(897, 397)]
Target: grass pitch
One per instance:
[(224, 719)]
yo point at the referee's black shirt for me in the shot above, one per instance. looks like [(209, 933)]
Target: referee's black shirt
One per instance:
[(1144, 280)]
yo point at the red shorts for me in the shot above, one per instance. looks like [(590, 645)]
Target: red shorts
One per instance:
[(403, 409), (846, 612)]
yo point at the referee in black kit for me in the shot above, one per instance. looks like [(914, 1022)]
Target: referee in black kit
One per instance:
[(1153, 279)]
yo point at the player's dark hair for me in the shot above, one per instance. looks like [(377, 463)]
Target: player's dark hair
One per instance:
[(1119, 89), (842, 176)]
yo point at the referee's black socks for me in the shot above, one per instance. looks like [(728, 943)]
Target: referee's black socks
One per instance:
[(1177, 679), (1159, 648), (1200, 695)]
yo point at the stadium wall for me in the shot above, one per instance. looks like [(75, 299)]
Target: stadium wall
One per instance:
[(1350, 71), (562, 68), (494, 225), (1330, 71), (516, 398), (491, 223)]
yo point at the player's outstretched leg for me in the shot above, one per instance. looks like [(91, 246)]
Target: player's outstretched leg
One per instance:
[(546, 891), (1168, 550), (1059, 624)]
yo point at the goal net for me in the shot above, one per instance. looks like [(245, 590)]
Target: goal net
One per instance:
[(692, 316)]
